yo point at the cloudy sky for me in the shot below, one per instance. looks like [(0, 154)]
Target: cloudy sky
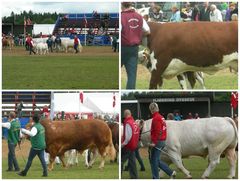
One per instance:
[(60, 7)]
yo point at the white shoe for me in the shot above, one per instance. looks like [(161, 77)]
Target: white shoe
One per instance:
[(173, 176)]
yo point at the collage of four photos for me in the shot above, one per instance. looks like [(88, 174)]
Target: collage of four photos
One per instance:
[(119, 90)]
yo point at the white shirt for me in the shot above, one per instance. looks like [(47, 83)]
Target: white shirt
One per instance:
[(128, 135), (6, 125), (31, 133), (216, 16)]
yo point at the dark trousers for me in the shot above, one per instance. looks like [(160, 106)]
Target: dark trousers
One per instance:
[(156, 162), (32, 154), (130, 156), (76, 47), (50, 48), (12, 161), (129, 58), (31, 50), (139, 159)]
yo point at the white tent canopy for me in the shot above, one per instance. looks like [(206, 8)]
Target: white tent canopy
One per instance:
[(92, 102), (45, 29)]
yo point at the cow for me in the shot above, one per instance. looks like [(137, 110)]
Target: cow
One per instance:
[(114, 127), (8, 42), (204, 137), (184, 78), (41, 48), (62, 136), (67, 43), (176, 48)]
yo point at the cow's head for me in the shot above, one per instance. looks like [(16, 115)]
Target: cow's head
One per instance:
[(147, 59)]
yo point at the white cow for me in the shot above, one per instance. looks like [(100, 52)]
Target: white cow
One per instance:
[(39, 40), (204, 137), (69, 43), (41, 48)]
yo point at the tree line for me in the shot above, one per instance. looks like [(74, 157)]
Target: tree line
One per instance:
[(38, 18)]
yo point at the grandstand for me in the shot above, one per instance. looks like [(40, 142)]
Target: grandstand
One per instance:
[(97, 26), (10, 100)]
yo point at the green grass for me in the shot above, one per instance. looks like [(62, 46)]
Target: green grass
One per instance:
[(60, 72), (195, 165), (110, 171), (220, 80)]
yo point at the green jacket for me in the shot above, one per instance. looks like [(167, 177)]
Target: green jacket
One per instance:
[(38, 141), (14, 132)]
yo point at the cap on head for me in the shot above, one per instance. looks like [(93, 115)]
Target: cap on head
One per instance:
[(36, 118), (153, 107)]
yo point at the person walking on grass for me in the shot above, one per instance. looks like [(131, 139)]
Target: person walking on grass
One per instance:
[(13, 127), (37, 138)]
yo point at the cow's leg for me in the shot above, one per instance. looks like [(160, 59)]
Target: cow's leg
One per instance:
[(232, 159), (177, 160), (86, 158), (52, 159), (200, 79), (95, 153), (191, 78), (76, 157), (182, 81), (156, 80), (62, 160), (214, 159), (103, 153)]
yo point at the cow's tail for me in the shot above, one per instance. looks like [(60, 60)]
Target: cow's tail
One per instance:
[(230, 120), (80, 48), (111, 149)]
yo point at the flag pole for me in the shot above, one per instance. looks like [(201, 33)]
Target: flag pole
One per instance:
[(24, 29)]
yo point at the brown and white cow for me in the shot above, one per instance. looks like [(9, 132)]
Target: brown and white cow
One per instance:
[(62, 136), (191, 46), (183, 79)]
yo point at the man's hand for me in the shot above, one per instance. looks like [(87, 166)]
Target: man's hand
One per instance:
[(151, 145)]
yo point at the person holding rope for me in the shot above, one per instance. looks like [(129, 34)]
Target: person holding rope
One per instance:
[(38, 143), (158, 138), (13, 127), (129, 143)]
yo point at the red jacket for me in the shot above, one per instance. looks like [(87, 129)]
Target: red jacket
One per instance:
[(132, 24), (76, 41), (133, 143), (158, 128)]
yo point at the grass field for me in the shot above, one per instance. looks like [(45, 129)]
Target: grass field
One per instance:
[(221, 80), (110, 170), (94, 68), (195, 165)]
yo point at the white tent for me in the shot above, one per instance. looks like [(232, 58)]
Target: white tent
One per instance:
[(45, 29)]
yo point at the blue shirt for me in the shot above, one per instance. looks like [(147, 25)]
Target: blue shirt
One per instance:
[(176, 17)]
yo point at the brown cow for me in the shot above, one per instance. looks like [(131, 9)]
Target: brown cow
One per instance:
[(192, 46), (80, 135), (8, 41), (114, 127)]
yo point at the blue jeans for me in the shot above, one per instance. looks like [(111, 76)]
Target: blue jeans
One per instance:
[(12, 161), (129, 58), (157, 163), (76, 47), (32, 154), (139, 159)]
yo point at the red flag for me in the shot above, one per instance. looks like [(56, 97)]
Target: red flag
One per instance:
[(234, 100), (114, 100), (81, 97)]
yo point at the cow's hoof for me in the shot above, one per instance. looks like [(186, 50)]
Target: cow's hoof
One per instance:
[(89, 167), (101, 168), (50, 169), (204, 177), (230, 177), (189, 177)]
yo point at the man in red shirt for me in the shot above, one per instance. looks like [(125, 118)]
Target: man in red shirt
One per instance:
[(133, 29), (76, 43), (129, 143), (158, 137), (30, 44)]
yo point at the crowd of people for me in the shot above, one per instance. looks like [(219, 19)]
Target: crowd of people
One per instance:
[(196, 12)]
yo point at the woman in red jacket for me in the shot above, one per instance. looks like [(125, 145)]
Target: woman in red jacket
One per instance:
[(158, 137)]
